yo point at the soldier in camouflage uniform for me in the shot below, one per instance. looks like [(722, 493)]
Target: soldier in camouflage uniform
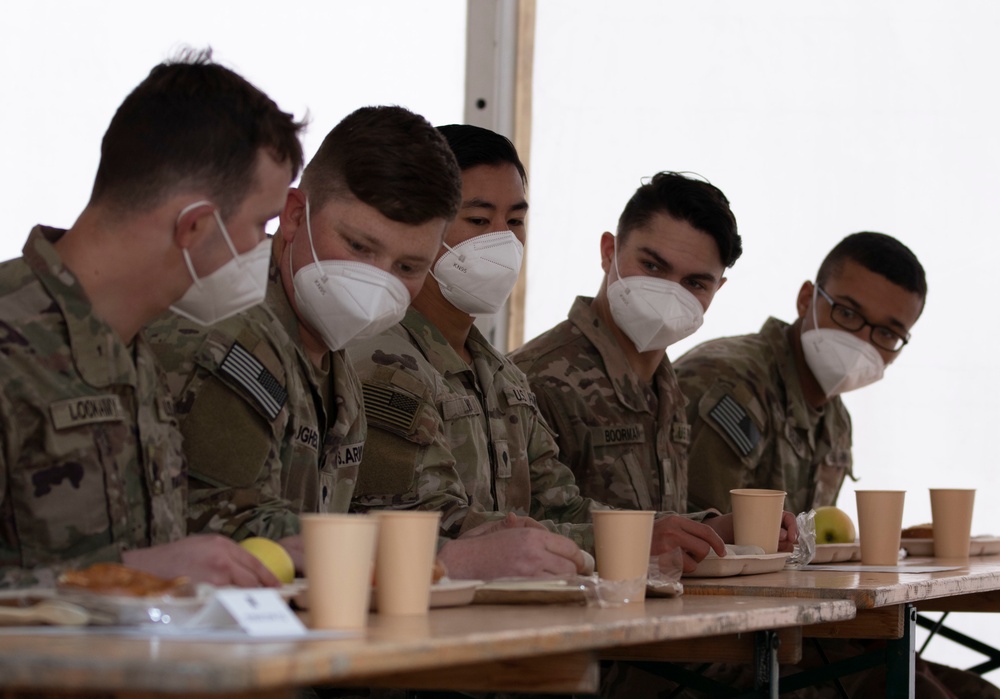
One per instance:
[(619, 413), (760, 417), (770, 437), (602, 377), (91, 466), (766, 413), (270, 408)]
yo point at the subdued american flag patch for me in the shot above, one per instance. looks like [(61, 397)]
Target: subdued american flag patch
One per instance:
[(248, 372), (388, 407), (734, 421)]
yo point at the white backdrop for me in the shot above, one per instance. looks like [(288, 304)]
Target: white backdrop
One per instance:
[(816, 119)]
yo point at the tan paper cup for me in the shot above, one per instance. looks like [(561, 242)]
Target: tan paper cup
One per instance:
[(951, 512), (880, 519), (404, 564), (340, 553), (622, 539), (757, 517)]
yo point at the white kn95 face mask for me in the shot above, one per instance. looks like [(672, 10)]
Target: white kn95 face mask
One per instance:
[(839, 360), (477, 276), (347, 302), (234, 287), (653, 313)]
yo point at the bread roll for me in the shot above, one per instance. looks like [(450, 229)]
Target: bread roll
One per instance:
[(920, 531)]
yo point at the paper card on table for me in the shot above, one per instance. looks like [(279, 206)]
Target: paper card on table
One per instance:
[(258, 612)]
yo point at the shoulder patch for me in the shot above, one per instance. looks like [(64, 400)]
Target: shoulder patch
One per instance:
[(734, 421), (250, 374), (388, 407)]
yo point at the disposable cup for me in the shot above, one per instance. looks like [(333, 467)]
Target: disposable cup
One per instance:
[(880, 518), (622, 539), (339, 555), (757, 517), (951, 513), (404, 563)]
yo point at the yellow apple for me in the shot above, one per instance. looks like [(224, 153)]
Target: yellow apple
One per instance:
[(272, 555), (833, 526)]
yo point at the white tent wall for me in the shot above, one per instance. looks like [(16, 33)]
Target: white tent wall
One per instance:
[(65, 66), (817, 120)]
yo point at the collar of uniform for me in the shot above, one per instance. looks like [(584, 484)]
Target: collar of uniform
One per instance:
[(276, 301), (776, 333), (100, 356), (433, 345), (628, 387)]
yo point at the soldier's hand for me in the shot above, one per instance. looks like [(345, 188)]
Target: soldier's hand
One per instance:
[(209, 558), (515, 552), (510, 521), (293, 544), (789, 532), (694, 539)]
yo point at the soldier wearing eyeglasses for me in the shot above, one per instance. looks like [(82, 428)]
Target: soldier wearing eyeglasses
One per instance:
[(765, 408)]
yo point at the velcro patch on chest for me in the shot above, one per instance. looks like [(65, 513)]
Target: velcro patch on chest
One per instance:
[(680, 433), (86, 410), (350, 454), (519, 396), (391, 408), (734, 421), (617, 434), (252, 376), (459, 406)]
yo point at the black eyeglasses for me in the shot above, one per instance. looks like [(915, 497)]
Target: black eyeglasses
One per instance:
[(849, 319)]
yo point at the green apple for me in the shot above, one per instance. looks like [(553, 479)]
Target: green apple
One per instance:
[(833, 526), (272, 555)]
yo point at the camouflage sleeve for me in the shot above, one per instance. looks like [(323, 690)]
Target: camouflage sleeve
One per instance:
[(407, 463), (555, 495), (235, 468), (728, 439), (230, 443)]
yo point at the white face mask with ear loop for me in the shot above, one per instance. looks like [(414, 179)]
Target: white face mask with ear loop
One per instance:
[(477, 275), (839, 360), (346, 302), (234, 287), (653, 313)]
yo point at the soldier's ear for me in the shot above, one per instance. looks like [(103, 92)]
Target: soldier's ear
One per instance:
[(804, 299), (193, 223), (293, 216), (607, 251)]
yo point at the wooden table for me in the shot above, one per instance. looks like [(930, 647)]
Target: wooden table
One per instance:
[(886, 602), (550, 648)]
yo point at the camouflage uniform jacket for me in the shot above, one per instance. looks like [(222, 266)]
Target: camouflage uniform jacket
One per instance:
[(267, 435), (91, 463), (465, 440), (751, 425), (625, 440)]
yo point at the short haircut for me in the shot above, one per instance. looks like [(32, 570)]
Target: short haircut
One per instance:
[(390, 159), (191, 125), (474, 145), (878, 253), (694, 201)]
